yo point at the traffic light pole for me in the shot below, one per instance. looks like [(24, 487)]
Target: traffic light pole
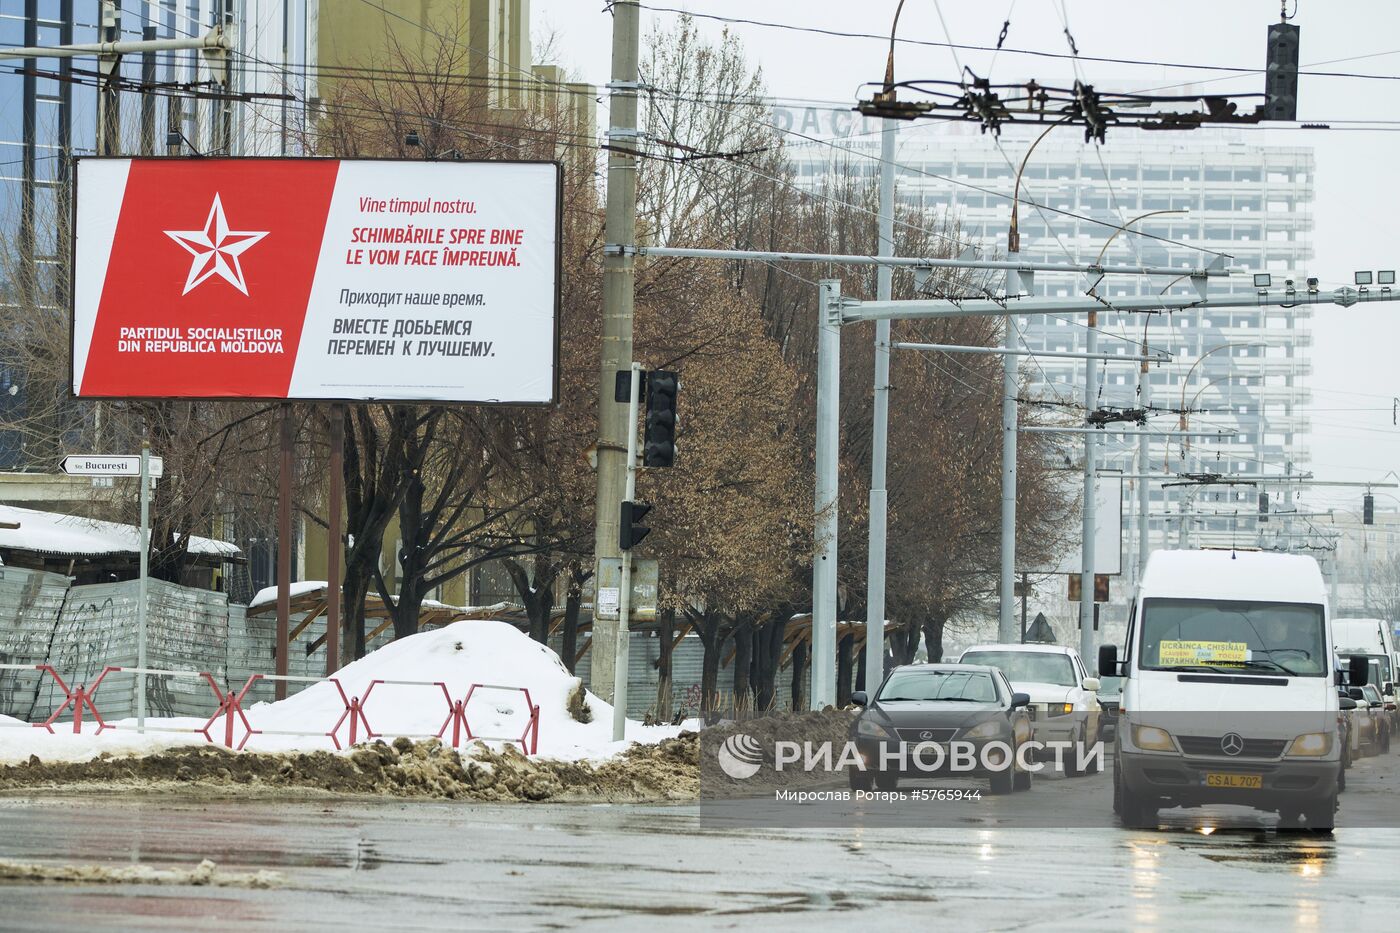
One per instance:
[(624, 597), (618, 284)]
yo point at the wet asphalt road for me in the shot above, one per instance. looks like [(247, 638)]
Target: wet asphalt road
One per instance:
[(446, 866)]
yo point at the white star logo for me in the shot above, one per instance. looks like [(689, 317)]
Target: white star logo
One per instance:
[(216, 249)]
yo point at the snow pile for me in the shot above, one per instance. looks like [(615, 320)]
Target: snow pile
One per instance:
[(457, 655)]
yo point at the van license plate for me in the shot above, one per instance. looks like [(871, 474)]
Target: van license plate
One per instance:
[(1242, 781)]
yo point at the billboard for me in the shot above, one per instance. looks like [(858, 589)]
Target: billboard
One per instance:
[(316, 279), (1108, 528)]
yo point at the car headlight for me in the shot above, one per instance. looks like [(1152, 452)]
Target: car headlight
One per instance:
[(1311, 745), (1059, 709), (1152, 739), (871, 729), (987, 730)]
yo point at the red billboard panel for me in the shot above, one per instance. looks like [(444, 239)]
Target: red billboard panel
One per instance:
[(316, 279)]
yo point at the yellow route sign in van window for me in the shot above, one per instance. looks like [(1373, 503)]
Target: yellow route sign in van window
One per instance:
[(1202, 652)]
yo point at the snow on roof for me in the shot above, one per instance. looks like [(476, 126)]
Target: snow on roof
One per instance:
[(56, 533), (1228, 574), (268, 594)]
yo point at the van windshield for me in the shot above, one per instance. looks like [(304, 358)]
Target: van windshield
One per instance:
[(1209, 634)]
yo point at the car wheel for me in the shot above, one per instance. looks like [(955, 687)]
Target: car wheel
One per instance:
[(1385, 741), (860, 780), (1021, 780), (1342, 778), (1320, 817), (887, 780), (1136, 812), (1002, 782)]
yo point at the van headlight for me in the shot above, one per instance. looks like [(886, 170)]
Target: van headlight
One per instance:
[(1059, 709), (987, 730), (870, 729), (1152, 739), (1310, 745)]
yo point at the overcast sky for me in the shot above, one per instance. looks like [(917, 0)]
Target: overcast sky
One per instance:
[(1355, 365)]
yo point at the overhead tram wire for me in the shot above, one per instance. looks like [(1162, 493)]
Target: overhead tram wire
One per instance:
[(845, 34)]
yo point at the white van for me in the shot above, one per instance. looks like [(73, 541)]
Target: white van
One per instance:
[(1229, 689), (1371, 637)]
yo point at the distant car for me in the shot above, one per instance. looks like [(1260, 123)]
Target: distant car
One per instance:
[(941, 704), (1373, 720), (1064, 701), (1379, 674)]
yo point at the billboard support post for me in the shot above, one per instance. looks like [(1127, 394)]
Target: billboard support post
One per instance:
[(144, 587), (284, 544), (335, 539)]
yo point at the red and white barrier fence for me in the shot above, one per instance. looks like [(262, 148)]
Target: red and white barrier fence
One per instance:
[(230, 710)]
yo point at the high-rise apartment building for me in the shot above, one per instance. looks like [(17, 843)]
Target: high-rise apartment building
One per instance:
[(1243, 371)]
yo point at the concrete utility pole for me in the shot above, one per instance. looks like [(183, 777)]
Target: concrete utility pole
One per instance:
[(1090, 525), (875, 570), (618, 274), (827, 479)]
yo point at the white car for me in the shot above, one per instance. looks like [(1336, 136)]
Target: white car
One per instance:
[(1064, 698)]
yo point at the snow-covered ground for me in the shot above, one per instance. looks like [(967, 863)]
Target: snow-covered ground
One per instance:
[(459, 655)]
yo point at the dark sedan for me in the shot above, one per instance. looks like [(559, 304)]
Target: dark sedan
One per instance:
[(942, 719)]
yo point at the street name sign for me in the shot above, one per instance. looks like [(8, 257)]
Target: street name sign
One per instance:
[(110, 465)]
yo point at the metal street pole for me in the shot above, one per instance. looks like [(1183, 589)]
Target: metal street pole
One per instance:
[(827, 477), (1144, 493), (1006, 620), (1217, 268), (1039, 354), (879, 497), (143, 593), (618, 280), (1086, 576), (1365, 574), (932, 309), (624, 598)]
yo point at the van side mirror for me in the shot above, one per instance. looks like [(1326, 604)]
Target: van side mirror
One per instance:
[(1092, 684), (1108, 660), (1355, 693), (1388, 687), (859, 698), (1346, 704), (1020, 700), (1356, 671)]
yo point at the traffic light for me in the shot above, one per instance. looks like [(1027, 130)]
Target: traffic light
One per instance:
[(659, 449), (629, 533), (1263, 506), (1281, 74), (1368, 510)]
